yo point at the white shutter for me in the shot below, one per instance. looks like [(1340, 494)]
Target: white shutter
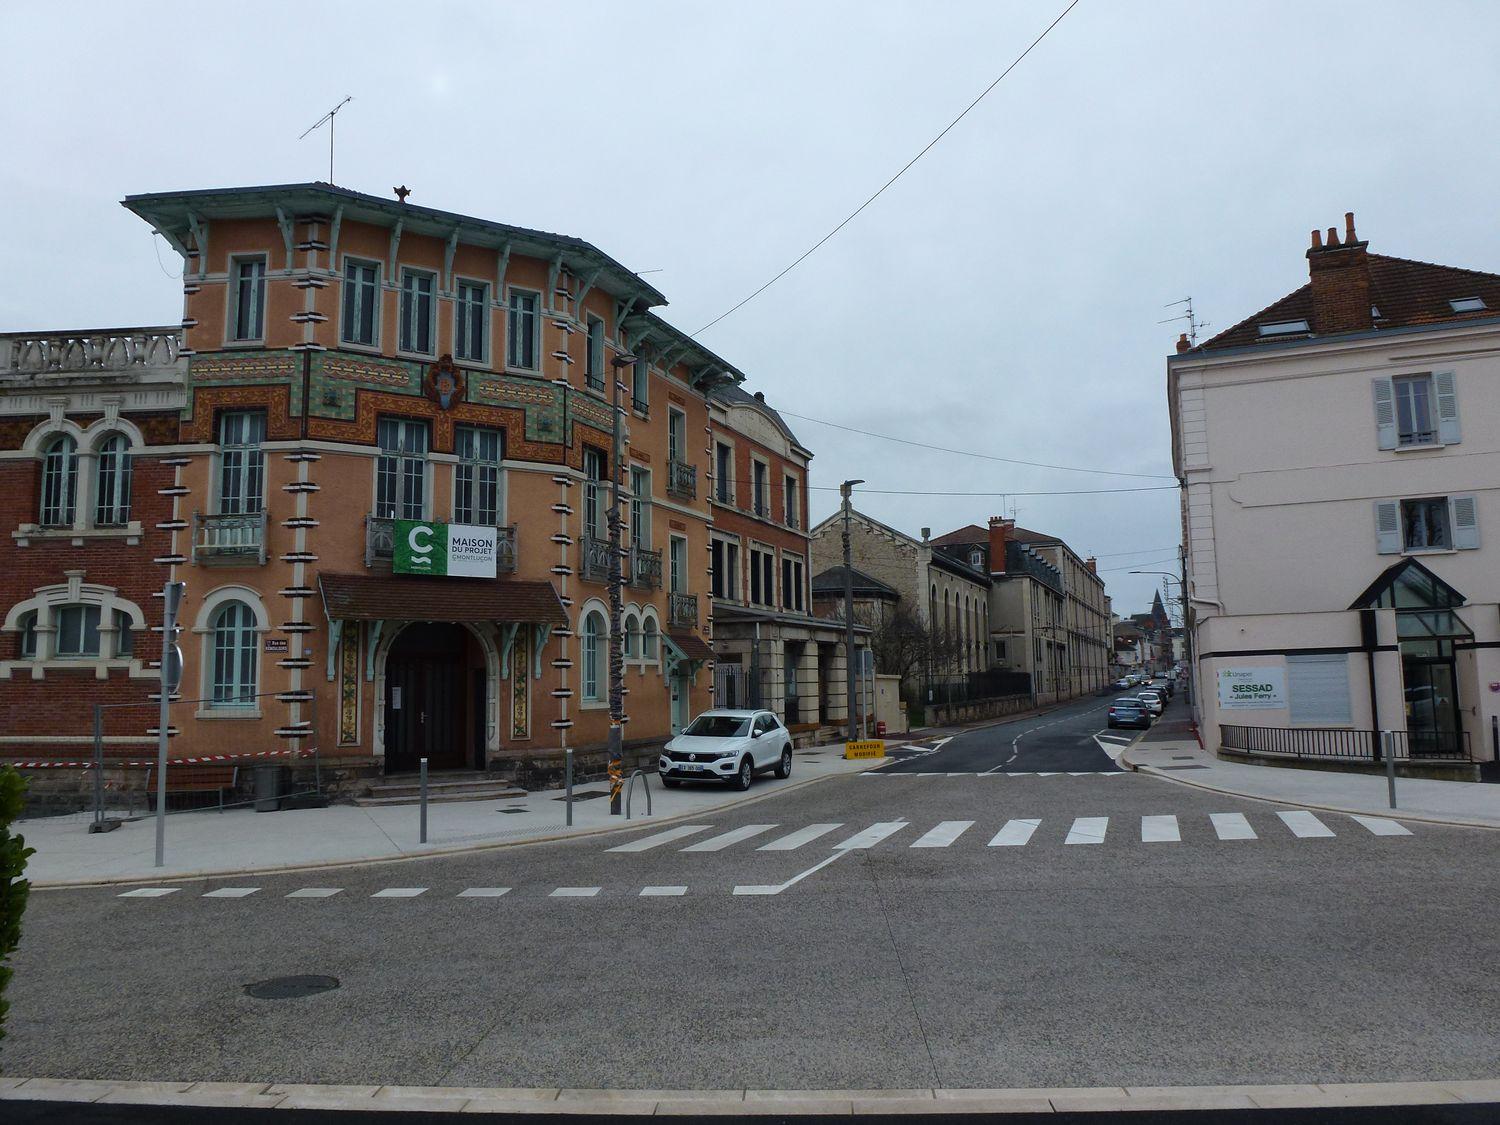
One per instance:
[(1385, 413), (1387, 527), (1464, 517), (1447, 407), (1319, 690)]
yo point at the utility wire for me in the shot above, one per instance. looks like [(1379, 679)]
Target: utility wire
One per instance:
[(971, 453), (893, 179), (862, 491)]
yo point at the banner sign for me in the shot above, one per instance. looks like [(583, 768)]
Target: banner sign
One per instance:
[(1252, 688), (451, 550)]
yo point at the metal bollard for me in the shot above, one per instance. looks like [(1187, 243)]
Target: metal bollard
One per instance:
[(424, 801), (1388, 748), (568, 756)]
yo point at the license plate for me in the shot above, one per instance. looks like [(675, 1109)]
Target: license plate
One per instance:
[(692, 767)]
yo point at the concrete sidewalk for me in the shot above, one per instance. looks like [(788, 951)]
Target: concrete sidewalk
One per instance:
[(1466, 803), (243, 841)]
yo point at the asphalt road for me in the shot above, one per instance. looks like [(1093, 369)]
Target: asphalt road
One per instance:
[(1194, 947)]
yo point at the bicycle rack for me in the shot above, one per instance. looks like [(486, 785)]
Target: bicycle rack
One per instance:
[(630, 787)]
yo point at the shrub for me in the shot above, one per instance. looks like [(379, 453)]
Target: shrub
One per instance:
[(13, 888)]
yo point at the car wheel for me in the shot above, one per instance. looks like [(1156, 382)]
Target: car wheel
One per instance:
[(784, 767), (670, 782), (743, 777)]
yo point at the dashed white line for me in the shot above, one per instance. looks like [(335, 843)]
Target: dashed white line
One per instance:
[(574, 892), (400, 892), (149, 892), (1015, 834), (1232, 826), (1304, 824), (1160, 830), (733, 836), (662, 892), (944, 834), (872, 835), (484, 892), (232, 892), (1381, 826), (795, 840), (315, 892), (648, 842), (1088, 830)]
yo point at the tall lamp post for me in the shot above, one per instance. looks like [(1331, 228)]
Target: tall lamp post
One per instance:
[(616, 558), (1187, 633), (844, 490)]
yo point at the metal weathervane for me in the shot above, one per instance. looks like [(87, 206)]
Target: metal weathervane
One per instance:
[(328, 117)]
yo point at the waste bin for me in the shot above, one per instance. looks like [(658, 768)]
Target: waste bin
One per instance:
[(268, 788)]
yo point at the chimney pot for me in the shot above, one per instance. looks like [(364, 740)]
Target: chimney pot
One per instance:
[(1182, 343), (1333, 237), (926, 532), (1349, 227), (1317, 240)]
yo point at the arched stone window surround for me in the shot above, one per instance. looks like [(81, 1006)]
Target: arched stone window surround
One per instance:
[(46, 601), (488, 638), (203, 626), (87, 442)]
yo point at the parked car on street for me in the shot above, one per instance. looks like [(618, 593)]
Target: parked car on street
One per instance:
[(1128, 711), (1164, 684), (1123, 683), (1154, 701), (731, 746)]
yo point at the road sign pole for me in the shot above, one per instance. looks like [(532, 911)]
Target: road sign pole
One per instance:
[(171, 675), (1388, 748)]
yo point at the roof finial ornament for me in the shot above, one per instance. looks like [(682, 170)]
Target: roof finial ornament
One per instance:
[(402, 192)]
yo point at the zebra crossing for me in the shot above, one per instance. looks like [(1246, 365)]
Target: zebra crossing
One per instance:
[(1160, 828)]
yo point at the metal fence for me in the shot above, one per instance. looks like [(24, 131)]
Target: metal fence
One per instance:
[(1347, 745), (218, 758), (974, 686)]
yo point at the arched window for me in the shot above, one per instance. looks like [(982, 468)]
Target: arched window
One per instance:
[(59, 482), (236, 656), (632, 636), (651, 641), (112, 482), (593, 629), (28, 635)]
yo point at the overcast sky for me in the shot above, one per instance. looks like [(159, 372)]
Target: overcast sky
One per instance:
[(1002, 297)]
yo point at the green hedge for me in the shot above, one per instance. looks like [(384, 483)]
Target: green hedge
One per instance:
[(13, 888)]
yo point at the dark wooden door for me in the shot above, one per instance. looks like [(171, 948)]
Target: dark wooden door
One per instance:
[(426, 701)]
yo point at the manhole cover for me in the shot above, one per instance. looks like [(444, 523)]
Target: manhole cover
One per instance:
[(289, 988)]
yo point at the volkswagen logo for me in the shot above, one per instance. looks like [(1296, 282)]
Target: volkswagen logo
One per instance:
[(692, 757)]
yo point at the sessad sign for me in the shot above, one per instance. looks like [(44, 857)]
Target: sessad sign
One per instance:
[(447, 550), (1252, 688)]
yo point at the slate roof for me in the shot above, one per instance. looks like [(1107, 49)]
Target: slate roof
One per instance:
[(729, 392), (831, 581), (1407, 293), (973, 533), (390, 597)]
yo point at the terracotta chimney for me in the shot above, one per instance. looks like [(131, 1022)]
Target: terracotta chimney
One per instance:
[(1183, 344), (1092, 563), (999, 534), (1340, 276)]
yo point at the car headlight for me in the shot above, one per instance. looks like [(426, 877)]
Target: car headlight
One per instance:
[(726, 753)]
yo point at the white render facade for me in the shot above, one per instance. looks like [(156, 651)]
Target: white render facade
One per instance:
[(1341, 517)]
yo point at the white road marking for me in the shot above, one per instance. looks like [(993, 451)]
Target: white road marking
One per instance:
[(662, 892), (1015, 834), (1232, 826), (232, 892), (777, 888), (149, 892), (1304, 824), (574, 892), (1052, 774), (1381, 826), (315, 892), (399, 892), (939, 743), (1088, 830), (648, 842), (484, 892), (962, 774), (1160, 830), (944, 834), (733, 836), (872, 835), (794, 840)]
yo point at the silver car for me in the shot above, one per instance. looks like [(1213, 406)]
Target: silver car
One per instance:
[(731, 746)]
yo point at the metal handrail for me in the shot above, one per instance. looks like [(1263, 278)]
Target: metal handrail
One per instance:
[(630, 787)]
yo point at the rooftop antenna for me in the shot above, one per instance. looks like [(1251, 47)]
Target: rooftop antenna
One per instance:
[(328, 117), (1194, 324)]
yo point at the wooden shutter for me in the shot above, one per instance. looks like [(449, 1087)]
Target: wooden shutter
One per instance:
[(1464, 517), (1388, 527), (1385, 413), (1447, 407)]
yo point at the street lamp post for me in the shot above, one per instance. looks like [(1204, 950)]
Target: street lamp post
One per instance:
[(844, 490), (1187, 632), (616, 557)]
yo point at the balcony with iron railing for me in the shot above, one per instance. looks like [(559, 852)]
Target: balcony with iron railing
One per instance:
[(594, 558), (682, 611), (682, 479), (380, 543), (229, 540), (645, 568)]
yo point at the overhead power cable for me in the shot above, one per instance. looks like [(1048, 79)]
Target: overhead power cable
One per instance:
[(926, 148), (862, 491), (982, 456)]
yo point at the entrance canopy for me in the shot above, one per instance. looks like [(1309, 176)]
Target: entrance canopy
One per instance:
[(379, 597)]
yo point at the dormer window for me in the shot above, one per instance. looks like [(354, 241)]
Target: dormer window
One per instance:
[(1285, 328), (1467, 304), (976, 558)]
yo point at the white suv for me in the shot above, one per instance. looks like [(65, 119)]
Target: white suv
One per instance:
[(730, 746)]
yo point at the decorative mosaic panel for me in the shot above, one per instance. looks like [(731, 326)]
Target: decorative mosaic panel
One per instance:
[(520, 684), (349, 650), (245, 369), (281, 424)]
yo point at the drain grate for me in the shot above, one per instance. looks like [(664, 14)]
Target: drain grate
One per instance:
[(583, 796), (1182, 757), (289, 988), (510, 810)]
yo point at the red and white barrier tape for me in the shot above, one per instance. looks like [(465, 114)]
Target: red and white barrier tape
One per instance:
[(202, 759)]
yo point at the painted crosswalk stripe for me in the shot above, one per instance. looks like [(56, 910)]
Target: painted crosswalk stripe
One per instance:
[(232, 892), (1088, 830), (1232, 826), (662, 892), (483, 892), (315, 892), (871, 835), (1015, 834), (149, 892), (725, 839), (400, 892), (574, 892), (1160, 830), (1304, 824), (645, 843), (794, 840), (1381, 826), (944, 834)]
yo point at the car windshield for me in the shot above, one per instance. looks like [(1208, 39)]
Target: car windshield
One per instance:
[(718, 726), (1136, 703)]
